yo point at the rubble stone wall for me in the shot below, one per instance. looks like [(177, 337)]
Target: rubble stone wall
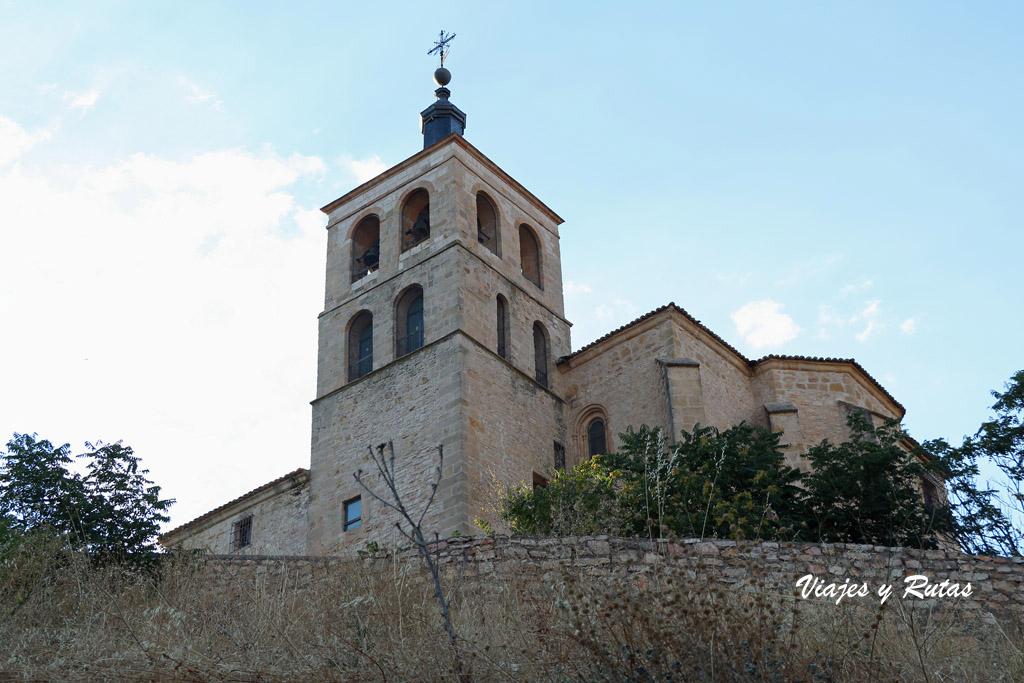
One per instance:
[(996, 583)]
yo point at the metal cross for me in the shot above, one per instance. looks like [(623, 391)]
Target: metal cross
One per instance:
[(441, 46)]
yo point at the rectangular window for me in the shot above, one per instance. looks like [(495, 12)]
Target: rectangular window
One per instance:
[(241, 533), (559, 456), (353, 513)]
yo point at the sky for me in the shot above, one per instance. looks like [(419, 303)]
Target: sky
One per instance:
[(823, 179)]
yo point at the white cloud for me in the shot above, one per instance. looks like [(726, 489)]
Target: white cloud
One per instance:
[(364, 169), (762, 323), (908, 326), (154, 292), (573, 288), (733, 278), (199, 96), (83, 100), (870, 309), (811, 267), (868, 330), (618, 313), (869, 314), (855, 288), (15, 141), (827, 315)]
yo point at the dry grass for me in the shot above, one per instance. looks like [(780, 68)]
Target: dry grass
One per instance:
[(364, 620)]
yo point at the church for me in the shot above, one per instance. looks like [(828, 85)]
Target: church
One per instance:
[(443, 325)]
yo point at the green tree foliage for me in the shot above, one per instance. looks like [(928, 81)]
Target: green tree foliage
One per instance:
[(710, 483), (576, 502), (868, 490), (980, 525), (986, 521), (730, 484), (113, 512), (735, 484)]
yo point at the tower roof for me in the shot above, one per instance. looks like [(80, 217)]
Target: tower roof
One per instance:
[(415, 158)]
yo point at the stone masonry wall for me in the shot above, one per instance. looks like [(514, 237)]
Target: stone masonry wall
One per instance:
[(625, 380), (724, 377), (414, 402), (278, 526), (997, 583), (510, 426), (816, 391)]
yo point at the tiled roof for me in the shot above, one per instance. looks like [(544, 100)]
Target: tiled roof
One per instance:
[(656, 311), (751, 363), (269, 485), (816, 359)]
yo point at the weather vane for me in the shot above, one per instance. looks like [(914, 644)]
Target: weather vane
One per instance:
[(441, 46)]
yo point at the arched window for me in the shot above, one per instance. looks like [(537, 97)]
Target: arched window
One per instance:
[(365, 247), (360, 346), (595, 437), (529, 254), (486, 222), (409, 321), (540, 354), (415, 219), (502, 327)]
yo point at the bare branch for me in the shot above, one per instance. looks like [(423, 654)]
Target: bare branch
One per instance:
[(387, 472)]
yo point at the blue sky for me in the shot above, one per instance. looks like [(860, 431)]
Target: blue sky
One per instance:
[(838, 179)]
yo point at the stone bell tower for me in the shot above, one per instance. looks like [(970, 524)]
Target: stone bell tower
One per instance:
[(442, 322)]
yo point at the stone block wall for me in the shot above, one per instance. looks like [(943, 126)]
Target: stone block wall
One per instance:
[(414, 402), (997, 583), (510, 426), (515, 206), (624, 379), (819, 392), (278, 523)]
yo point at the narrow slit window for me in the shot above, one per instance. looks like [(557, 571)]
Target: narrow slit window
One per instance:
[(540, 355), (502, 327)]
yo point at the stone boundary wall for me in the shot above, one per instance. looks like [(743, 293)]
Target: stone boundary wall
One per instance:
[(997, 583)]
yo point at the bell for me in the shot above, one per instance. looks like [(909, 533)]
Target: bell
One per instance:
[(371, 258), (420, 230)]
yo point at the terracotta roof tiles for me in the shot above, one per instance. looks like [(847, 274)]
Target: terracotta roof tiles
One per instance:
[(730, 347), (294, 474)]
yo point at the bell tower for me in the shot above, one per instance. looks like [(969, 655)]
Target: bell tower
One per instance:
[(442, 322)]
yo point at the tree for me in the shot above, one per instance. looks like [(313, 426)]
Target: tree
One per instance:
[(869, 490), (113, 512), (986, 519), (728, 484), (710, 483), (576, 502)]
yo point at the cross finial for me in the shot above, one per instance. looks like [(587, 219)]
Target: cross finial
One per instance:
[(441, 46)]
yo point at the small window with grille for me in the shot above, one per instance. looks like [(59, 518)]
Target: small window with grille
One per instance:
[(241, 533)]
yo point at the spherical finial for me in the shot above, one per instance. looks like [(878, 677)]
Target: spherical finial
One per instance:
[(442, 76)]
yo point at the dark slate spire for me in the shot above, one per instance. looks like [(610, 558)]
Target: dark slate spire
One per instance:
[(442, 118)]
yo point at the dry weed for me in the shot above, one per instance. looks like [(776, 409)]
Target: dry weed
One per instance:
[(377, 619)]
